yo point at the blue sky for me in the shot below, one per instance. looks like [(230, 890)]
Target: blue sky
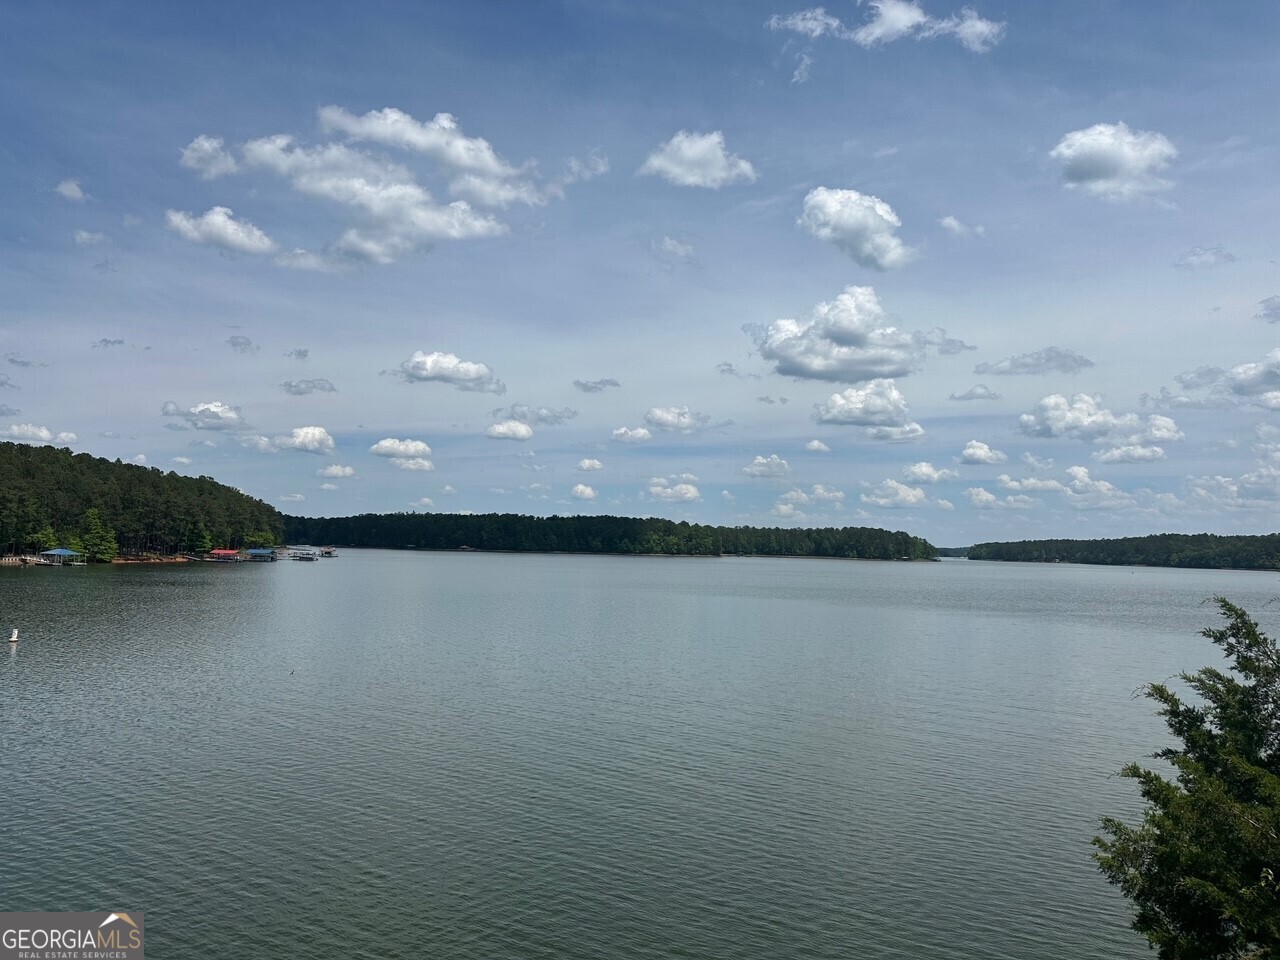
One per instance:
[(637, 259)]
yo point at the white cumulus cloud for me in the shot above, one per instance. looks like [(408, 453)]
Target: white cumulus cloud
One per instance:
[(632, 434), (588, 464), (817, 446), (698, 160), (1048, 360), (336, 470), (306, 440), (879, 406), (33, 434), (214, 415), (391, 447), (208, 157), (219, 228), (675, 418), (862, 226), (770, 466), (664, 489), (509, 430), (581, 491), (448, 368), (70, 190), (926, 472), (1111, 161), (975, 451)]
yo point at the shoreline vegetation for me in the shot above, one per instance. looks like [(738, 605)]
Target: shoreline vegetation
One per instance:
[(108, 511), (1205, 551)]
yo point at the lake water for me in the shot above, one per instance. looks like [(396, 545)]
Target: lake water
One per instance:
[(489, 756)]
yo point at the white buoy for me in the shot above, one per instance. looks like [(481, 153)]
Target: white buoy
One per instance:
[(14, 638)]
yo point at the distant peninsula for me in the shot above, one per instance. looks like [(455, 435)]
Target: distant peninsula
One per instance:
[(106, 509), (1202, 550)]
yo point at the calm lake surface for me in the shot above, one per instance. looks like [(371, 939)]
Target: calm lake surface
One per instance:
[(488, 756)]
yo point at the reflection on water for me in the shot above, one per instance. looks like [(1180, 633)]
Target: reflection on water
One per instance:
[(471, 755)]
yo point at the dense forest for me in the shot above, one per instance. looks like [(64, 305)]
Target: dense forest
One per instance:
[(426, 531), (50, 497), (1161, 550)]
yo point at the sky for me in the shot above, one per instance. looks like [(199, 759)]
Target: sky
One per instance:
[(990, 272)]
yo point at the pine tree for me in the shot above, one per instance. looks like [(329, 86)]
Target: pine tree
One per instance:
[(1203, 867)]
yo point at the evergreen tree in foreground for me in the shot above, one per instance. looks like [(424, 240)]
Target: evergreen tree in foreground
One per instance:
[(1203, 867)]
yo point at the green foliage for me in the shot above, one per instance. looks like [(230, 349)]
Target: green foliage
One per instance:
[(1204, 550), (110, 507), (628, 535), (99, 540), (1201, 869), (43, 539)]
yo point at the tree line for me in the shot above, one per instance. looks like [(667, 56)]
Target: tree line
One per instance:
[(51, 497), (600, 534), (1205, 550)]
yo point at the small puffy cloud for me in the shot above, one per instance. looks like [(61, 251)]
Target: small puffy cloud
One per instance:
[(336, 471), (697, 160), (817, 446), (926, 472), (426, 502), (241, 344), (1110, 161), (1048, 360), (208, 157), (632, 434), (449, 368), (1269, 310), (770, 466), (957, 228), (329, 487), (419, 464), (984, 499), (891, 494), (581, 491), (848, 339), (182, 461), (1130, 453), (391, 447), (291, 498), (1259, 382), (30, 433), (1201, 258), (214, 415), (441, 138), (596, 386), (218, 227), (862, 226), (1037, 463), (1080, 490), (789, 503), (306, 440), (890, 20), (397, 216), (535, 416), (139, 458), (879, 406), (70, 190), (588, 464), (86, 237), (509, 430), (975, 451), (1084, 418), (662, 488), (300, 388), (675, 418), (979, 391)]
